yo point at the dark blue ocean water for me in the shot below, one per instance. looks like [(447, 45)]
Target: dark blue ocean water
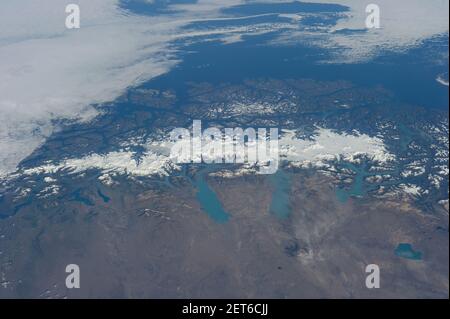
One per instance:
[(409, 75)]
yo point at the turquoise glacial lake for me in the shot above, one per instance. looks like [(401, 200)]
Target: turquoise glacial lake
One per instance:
[(208, 199), (406, 251), (281, 203)]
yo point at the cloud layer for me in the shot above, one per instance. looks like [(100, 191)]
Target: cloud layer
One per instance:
[(404, 23), (49, 73)]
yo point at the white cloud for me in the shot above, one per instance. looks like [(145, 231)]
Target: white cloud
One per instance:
[(48, 72), (404, 23)]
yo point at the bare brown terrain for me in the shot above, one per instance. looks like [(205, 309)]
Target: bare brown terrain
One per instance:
[(161, 244)]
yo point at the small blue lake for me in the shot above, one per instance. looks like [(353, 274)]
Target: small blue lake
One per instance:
[(77, 196), (406, 251), (105, 198), (358, 188)]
